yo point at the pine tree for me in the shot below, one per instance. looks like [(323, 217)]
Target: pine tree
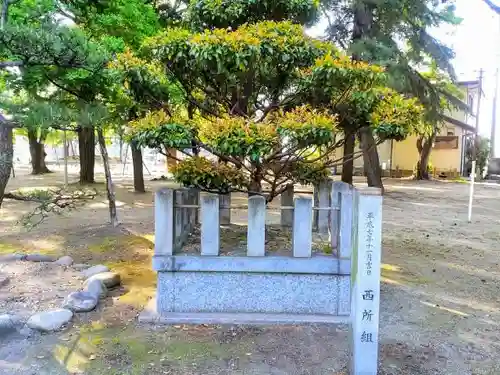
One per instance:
[(395, 34)]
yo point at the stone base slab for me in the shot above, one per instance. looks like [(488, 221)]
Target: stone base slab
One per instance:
[(243, 292), (150, 315)]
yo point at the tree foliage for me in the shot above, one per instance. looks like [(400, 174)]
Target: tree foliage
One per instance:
[(223, 14), (480, 150), (237, 87), (271, 105), (396, 35)]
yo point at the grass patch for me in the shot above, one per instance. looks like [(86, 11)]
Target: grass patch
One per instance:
[(113, 247), (460, 180), (51, 245), (108, 244), (7, 248), (135, 351), (324, 247), (36, 193), (139, 280), (129, 255)]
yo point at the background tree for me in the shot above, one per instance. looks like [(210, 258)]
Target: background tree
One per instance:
[(98, 30), (450, 94), (72, 59), (119, 25), (35, 119), (394, 34), (6, 154), (52, 56), (59, 57), (480, 148)]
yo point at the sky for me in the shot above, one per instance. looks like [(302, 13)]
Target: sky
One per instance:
[(476, 42)]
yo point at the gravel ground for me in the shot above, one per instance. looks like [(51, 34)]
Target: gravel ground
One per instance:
[(32, 287), (440, 308), (35, 287)]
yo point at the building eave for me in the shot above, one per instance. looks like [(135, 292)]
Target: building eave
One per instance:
[(459, 123), (475, 84), (468, 83)]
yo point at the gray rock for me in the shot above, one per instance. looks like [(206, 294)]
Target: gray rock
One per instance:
[(94, 270), (80, 266), (96, 288), (80, 302), (109, 279), (4, 280), (39, 258), (8, 323), (50, 320), (26, 331), (11, 257), (65, 261)]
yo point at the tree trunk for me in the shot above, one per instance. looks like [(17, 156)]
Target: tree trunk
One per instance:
[(194, 148), (171, 158), (73, 154), (86, 146), (424, 146), (255, 187), (6, 156), (138, 170), (362, 30), (370, 158), (109, 183), (4, 13), (37, 153), (363, 18), (121, 147), (348, 164)]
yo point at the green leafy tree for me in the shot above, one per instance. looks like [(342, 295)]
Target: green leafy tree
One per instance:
[(449, 94), (52, 57), (269, 103), (119, 25), (72, 59), (36, 120), (480, 150)]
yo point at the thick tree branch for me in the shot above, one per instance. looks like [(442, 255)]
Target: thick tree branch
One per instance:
[(50, 202), (21, 63), (494, 7), (58, 85)]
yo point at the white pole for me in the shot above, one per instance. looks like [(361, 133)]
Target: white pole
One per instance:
[(471, 190), (65, 160)]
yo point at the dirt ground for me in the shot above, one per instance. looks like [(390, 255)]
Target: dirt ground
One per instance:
[(440, 308)]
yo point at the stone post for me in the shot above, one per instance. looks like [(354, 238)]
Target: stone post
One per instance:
[(224, 209), (286, 199), (178, 224), (164, 222), (315, 204), (256, 235), (365, 282), (324, 193), (209, 224), (302, 228), (341, 219)]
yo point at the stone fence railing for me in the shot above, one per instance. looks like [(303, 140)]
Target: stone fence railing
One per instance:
[(343, 287)]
